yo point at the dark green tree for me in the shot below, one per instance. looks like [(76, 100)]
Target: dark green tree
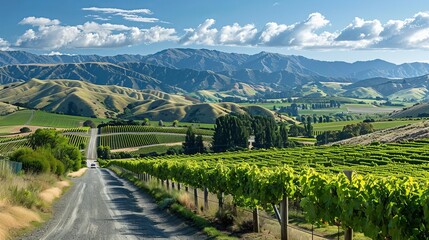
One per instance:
[(230, 133), (199, 144), (189, 146)]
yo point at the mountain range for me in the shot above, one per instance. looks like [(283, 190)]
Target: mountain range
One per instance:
[(213, 75)]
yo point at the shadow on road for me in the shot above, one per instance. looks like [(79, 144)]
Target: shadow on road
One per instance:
[(141, 215)]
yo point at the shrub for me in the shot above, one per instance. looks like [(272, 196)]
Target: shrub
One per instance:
[(89, 123), (25, 130)]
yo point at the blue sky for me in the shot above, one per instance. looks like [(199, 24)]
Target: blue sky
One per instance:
[(397, 31)]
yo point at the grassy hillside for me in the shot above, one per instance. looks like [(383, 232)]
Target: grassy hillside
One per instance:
[(85, 99), (413, 111)]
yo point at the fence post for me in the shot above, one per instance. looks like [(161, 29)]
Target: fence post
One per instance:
[(284, 217), (196, 199), (348, 233), (206, 199), (178, 186), (256, 227), (220, 197), (172, 185), (186, 188), (168, 184)]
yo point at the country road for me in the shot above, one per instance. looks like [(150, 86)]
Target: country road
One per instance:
[(101, 205)]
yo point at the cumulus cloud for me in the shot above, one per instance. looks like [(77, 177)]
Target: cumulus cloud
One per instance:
[(301, 34), (227, 35), (237, 35), (411, 33), (92, 35), (133, 15), (4, 45), (41, 21), (203, 34)]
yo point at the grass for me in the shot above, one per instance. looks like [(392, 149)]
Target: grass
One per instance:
[(44, 119), (23, 203), (16, 118)]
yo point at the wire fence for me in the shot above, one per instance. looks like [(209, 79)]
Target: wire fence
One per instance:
[(210, 203), (15, 167)]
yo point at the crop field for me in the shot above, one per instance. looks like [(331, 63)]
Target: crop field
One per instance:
[(136, 140), (384, 176), (10, 146), (16, 118), (137, 128), (44, 119), (331, 126), (160, 149), (77, 140)]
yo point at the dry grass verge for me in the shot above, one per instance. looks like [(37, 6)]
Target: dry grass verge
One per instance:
[(24, 199), (78, 173)]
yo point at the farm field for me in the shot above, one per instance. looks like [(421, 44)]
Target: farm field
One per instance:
[(7, 147), (137, 128), (137, 140), (384, 174), (161, 149), (331, 126), (44, 119)]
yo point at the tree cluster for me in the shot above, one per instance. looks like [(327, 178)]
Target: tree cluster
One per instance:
[(349, 131), (104, 152), (49, 152), (231, 133)]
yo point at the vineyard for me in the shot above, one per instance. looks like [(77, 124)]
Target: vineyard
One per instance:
[(159, 149), (137, 128), (10, 146), (78, 141), (118, 141), (388, 198)]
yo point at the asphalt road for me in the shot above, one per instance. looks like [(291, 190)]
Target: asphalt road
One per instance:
[(101, 205)]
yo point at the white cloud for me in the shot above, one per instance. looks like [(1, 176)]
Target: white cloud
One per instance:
[(4, 45), (92, 35), (410, 33), (35, 21), (360, 30), (118, 10), (203, 34), (136, 18), (53, 53), (301, 34), (98, 17), (237, 35), (133, 15), (228, 35)]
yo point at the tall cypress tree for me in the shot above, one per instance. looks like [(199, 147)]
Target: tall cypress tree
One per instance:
[(199, 144), (230, 132), (284, 136), (189, 146)]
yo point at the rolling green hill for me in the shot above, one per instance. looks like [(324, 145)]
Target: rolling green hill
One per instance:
[(85, 99)]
